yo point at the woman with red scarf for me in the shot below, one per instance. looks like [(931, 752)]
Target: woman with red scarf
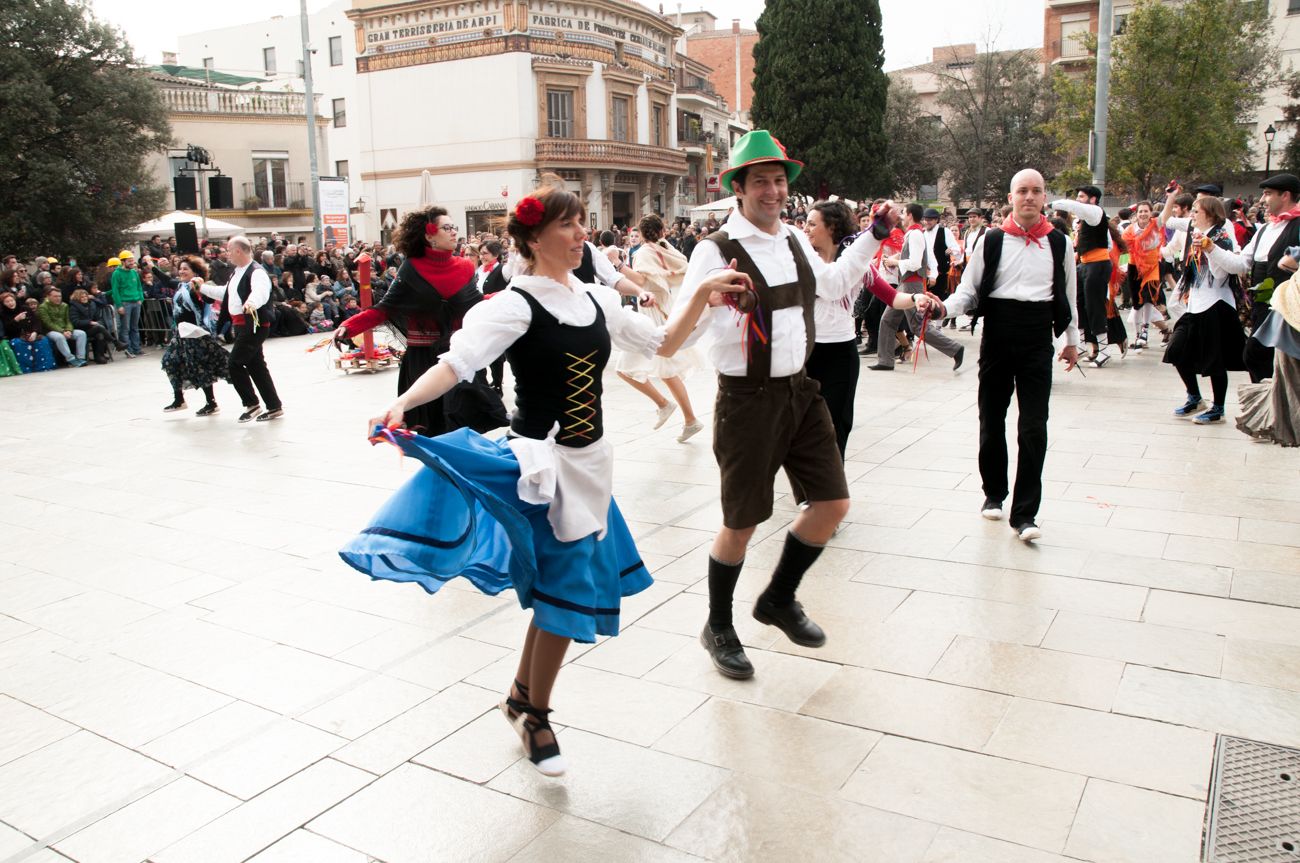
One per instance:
[(433, 291)]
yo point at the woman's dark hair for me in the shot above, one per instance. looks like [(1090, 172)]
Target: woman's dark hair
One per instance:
[(493, 247), (608, 238), (9, 278), (838, 219), (651, 227), (411, 239), (196, 265), (557, 203), (1115, 236)]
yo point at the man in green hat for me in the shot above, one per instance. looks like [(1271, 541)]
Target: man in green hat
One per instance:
[(769, 414)]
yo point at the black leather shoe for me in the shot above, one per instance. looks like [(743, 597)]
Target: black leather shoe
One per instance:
[(958, 357), (726, 652), (791, 620), (880, 368)]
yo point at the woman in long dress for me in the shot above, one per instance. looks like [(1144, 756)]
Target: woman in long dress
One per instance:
[(1270, 409), (658, 269), (532, 511)]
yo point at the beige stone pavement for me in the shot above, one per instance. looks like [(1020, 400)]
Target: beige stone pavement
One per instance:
[(169, 694)]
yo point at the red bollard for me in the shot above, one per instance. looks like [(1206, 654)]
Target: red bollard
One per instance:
[(363, 279)]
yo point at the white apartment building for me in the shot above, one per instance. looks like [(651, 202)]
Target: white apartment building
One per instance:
[(487, 95), (272, 50)]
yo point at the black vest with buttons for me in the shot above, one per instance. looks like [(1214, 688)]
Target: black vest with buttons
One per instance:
[(1094, 236)]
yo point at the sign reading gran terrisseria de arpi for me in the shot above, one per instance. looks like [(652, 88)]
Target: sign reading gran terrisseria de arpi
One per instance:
[(592, 22)]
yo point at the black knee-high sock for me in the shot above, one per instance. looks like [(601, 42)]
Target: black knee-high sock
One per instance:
[(722, 584), (176, 394), (1219, 384), (211, 396), (796, 557)]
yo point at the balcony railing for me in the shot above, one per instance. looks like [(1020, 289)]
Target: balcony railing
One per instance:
[(289, 195), (695, 84), (556, 152), (199, 100), (687, 137)]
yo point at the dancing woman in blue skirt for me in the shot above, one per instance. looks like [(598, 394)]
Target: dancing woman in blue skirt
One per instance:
[(532, 511)]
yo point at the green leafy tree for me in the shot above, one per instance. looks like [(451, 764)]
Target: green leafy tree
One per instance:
[(80, 123), (1290, 161), (1183, 79), (819, 87), (993, 112), (909, 134), (1068, 127)]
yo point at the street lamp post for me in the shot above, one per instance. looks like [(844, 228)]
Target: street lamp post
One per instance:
[(1269, 134)]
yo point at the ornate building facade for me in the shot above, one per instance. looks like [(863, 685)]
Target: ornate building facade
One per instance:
[(487, 95)]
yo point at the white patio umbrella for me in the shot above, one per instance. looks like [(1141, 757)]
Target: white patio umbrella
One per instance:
[(426, 189), (166, 224), (722, 206)]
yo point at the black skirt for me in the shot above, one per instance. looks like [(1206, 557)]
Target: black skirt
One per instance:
[(1208, 341), (192, 364), (428, 419)]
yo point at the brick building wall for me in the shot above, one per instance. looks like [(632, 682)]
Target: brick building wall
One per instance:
[(717, 50)]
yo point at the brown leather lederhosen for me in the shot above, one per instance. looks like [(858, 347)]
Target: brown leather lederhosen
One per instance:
[(761, 423)]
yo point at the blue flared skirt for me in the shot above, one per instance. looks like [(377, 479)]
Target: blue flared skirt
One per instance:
[(462, 516)]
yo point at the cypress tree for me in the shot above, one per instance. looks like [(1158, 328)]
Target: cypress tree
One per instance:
[(819, 87)]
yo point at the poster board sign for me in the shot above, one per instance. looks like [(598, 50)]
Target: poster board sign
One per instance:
[(334, 212)]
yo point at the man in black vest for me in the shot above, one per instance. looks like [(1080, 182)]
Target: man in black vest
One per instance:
[(1265, 257), (246, 297), (1021, 279), (1095, 267)]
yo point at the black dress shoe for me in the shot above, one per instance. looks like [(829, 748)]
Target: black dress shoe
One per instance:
[(879, 368), (958, 357), (791, 620), (726, 652)]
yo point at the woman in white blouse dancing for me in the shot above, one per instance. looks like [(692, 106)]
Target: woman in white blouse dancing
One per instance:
[(534, 511)]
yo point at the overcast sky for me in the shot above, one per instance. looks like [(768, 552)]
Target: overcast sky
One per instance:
[(912, 27)]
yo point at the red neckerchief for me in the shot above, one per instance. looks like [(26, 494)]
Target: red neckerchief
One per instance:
[(893, 243), (1034, 234), (1293, 213), (446, 272)]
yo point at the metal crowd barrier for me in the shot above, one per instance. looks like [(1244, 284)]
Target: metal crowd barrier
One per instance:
[(156, 322)]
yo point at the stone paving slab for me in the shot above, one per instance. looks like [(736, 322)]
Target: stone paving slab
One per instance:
[(189, 673)]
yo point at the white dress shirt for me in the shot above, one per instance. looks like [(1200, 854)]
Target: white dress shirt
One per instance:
[(915, 252), (771, 254), (1090, 213), (1024, 274), (605, 271), (1256, 250), (258, 295)]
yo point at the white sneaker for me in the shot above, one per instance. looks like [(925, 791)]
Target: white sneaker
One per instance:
[(689, 431), (662, 414), (1028, 532)]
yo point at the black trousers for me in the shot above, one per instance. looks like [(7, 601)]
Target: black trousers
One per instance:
[(1015, 356), (1258, 358), (248, 367), (1094, 280), (836, 367)]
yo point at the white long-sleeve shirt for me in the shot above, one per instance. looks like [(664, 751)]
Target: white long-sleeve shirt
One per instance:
[(1090, 213), (605, 271), (771, 253), (915, 252), (258, 295), (1211, 285), (1256, 250), (1024, 274)]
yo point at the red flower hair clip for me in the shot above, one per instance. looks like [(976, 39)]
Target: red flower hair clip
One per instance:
[(430, 229), (530, 211)]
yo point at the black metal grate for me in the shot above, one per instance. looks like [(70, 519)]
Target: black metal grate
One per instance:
[(1254, 814)]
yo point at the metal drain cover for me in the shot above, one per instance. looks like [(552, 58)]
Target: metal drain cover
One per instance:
[(1254, 814)]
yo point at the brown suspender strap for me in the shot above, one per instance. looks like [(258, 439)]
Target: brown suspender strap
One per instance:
[(800, 293)]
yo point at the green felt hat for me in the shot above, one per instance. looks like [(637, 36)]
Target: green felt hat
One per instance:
[(755, 148)]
